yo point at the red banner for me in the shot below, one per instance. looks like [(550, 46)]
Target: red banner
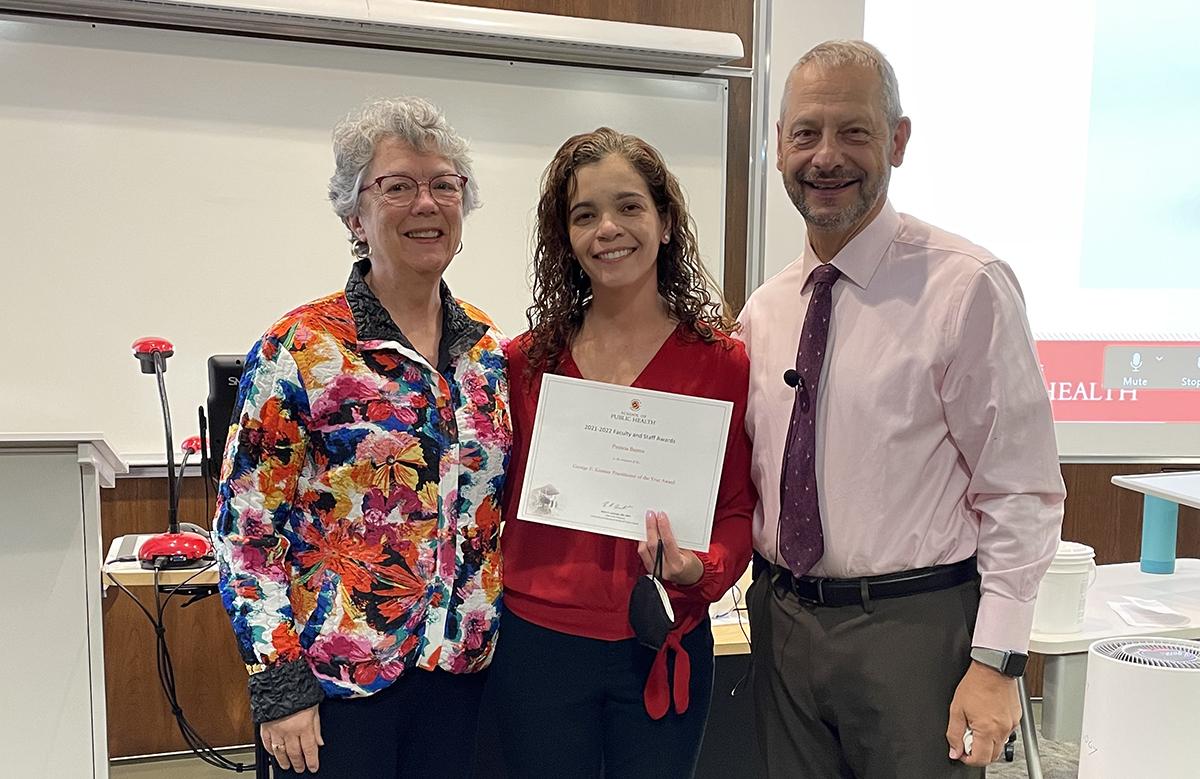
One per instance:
[(1074, 376)]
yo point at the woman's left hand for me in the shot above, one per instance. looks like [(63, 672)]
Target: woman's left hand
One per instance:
[(680, 566)]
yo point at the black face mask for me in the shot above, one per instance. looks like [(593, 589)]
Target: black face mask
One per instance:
[(650, 612)]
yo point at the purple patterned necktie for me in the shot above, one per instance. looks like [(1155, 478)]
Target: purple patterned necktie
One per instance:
[(801, 541)]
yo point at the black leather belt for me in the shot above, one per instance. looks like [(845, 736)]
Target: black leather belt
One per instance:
[(825, 591)]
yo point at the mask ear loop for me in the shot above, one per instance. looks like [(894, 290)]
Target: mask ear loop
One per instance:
[(658, 580)]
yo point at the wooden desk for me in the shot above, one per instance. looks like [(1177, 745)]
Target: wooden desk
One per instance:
[(726, 750), (131, 573), (730, 747), (729, 639), (120, 569)]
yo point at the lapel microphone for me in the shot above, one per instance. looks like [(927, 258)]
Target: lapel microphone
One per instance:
[(793, 379)]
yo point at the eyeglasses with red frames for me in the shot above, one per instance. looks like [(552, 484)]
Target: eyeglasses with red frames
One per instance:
[(400, 190)]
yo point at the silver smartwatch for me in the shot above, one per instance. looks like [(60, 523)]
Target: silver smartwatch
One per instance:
[(1008, 663)]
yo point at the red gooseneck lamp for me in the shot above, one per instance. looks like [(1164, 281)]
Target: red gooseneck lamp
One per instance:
[(172, 549)]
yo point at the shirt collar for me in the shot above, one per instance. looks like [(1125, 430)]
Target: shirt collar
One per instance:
[(373, 323), (859, 259)]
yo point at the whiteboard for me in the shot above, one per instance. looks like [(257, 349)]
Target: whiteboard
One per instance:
[(172, 183)]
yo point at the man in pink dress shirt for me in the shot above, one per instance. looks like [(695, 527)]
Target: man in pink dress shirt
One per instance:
[(939, 491)]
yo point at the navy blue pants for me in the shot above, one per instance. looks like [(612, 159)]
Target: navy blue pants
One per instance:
[(424, 724), (568, 706)]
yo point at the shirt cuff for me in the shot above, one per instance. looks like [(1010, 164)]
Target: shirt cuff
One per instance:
[(283, 689), (1003, 623), (697, 590)]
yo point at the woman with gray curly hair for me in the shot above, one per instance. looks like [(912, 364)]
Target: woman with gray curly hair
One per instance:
[(358, 513)]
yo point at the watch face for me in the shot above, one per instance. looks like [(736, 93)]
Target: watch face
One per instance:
[(1014, 664)]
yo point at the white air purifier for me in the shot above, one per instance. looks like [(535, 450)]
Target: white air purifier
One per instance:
[(1139, 709)]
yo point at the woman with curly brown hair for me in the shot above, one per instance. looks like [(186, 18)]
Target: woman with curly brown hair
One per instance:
[(620, 296)]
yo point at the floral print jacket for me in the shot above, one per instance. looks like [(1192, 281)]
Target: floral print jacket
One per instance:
[(358, 513)]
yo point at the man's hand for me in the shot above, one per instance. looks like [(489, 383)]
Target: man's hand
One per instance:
[(293, 740), (986, 701), (681, 566)]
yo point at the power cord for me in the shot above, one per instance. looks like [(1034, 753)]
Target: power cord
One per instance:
[(166, 670), (738, 609)]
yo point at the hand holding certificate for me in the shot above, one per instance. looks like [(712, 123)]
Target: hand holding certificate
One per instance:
[(602, 455), (679, 566)]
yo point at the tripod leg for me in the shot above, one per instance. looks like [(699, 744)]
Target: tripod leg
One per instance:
[(1033, 758)]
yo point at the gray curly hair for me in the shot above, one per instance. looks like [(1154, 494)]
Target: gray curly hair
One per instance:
[(836, 53), (413, 120)]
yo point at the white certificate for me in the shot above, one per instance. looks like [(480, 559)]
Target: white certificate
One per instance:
[(601, 455)]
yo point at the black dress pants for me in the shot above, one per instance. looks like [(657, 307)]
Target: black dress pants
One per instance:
[(843, 692), (568, 706), (424, 724)]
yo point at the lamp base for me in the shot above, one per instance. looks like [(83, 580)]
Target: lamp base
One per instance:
[(175, 550)]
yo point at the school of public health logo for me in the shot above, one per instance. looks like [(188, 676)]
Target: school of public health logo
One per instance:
[(632, 414)]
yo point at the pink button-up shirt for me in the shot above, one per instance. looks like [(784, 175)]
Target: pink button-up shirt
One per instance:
[(934, 435)]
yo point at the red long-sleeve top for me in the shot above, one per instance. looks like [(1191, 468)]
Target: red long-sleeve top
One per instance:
[(579, 583)]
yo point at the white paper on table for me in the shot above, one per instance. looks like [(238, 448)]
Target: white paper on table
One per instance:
[(733, 601), (730, 618), (601, 455), (1144, 613)]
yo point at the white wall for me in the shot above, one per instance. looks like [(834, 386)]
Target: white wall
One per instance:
[(796, 26), (169, 183)]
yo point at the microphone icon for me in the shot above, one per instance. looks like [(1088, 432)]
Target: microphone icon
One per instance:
[(1136, 362)]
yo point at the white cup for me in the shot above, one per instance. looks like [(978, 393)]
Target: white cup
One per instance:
[(1062, 595)]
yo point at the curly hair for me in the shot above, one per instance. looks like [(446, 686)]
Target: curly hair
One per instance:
[(417, 122), (562, 290)]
